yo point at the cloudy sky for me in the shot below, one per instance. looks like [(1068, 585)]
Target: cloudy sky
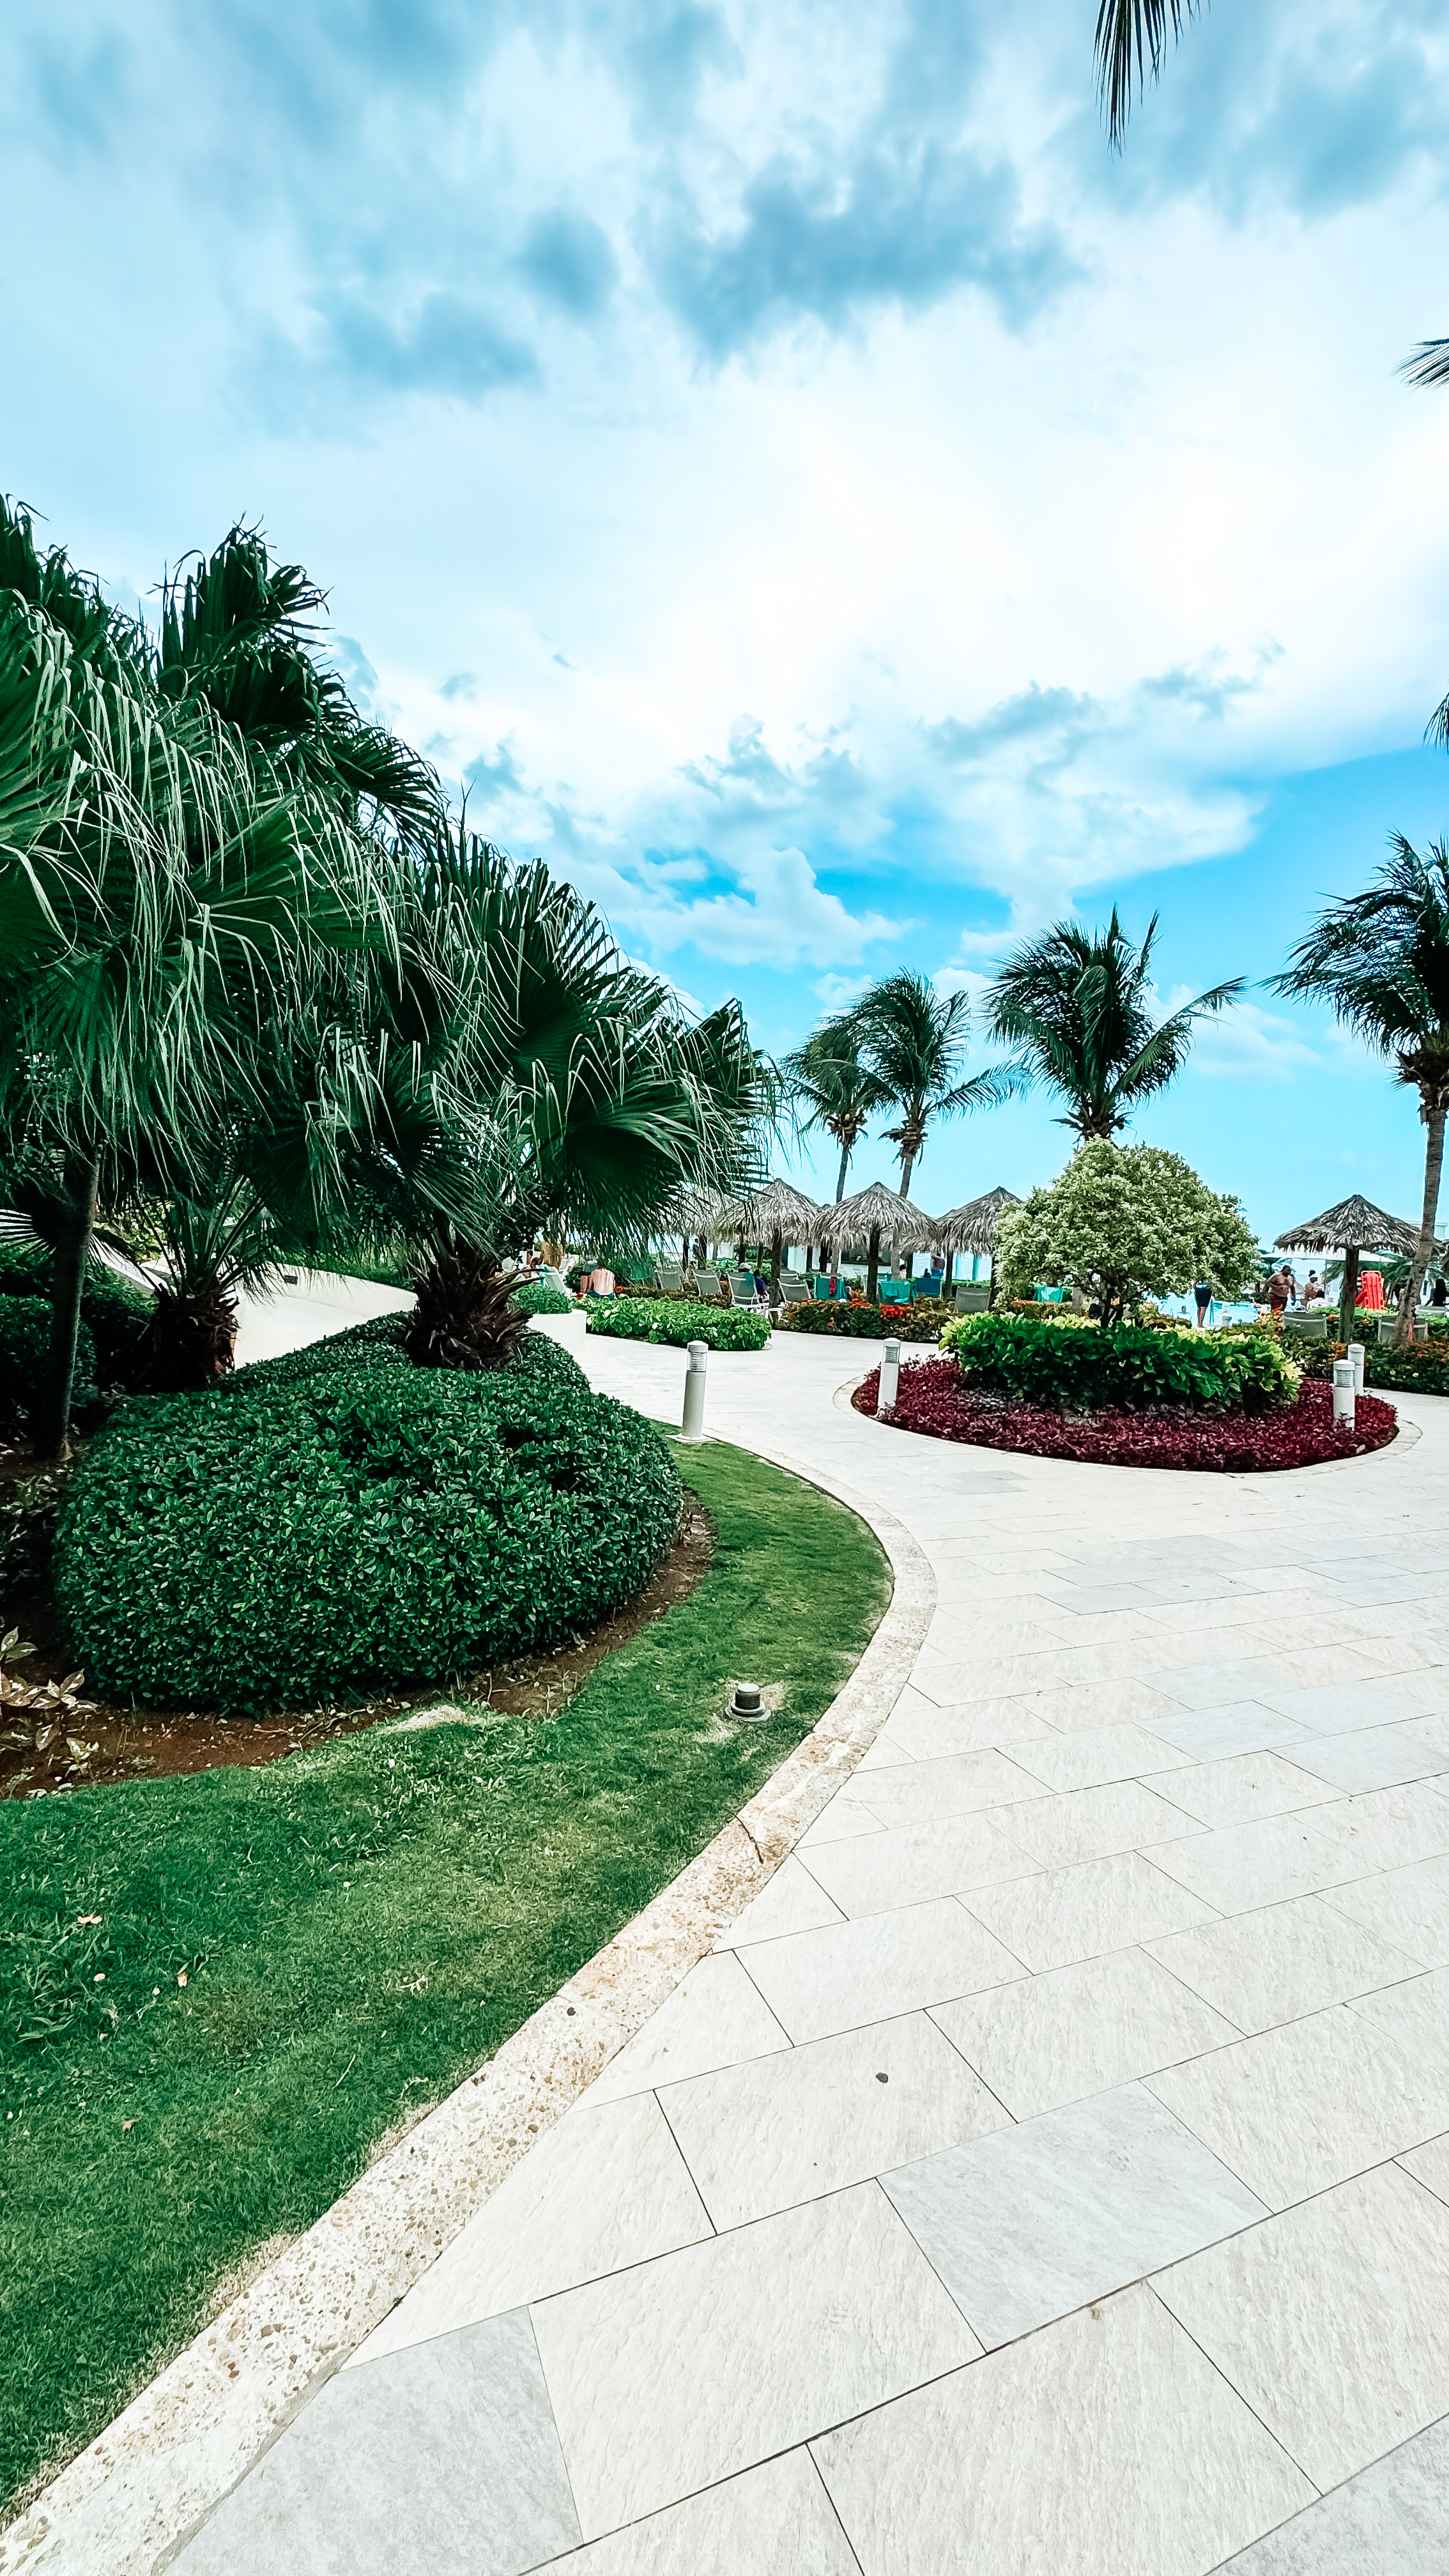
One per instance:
[(795, 476)]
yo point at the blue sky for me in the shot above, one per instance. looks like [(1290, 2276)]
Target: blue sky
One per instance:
[(799, 479)]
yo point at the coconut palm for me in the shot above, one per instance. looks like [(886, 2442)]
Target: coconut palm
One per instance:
[(1380, 959), (912, 1041), (838, 1095), (1074, 1004)]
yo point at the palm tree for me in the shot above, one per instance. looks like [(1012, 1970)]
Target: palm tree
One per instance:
[(1074, 1004), (912, 1040), (545, 1081), (825, 1078), (1381, 961), (162, 894)]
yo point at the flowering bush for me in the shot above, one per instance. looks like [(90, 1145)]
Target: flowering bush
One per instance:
[(1123, 1364), (856, 1321), (933, 1398), (1124, 1222)]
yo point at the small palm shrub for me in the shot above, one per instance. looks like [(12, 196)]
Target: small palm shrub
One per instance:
[(313, 1534), (1128, 1366), (678, 1321)]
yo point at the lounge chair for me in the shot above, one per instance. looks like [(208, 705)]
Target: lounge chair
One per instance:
[(671, 1282), (742, 1290), (1307, 1328), (973, 1297), (709, 1288), (794, 1287)]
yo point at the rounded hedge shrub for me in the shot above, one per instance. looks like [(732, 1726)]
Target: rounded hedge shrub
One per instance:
[(536, 1297), (115, 1310), (678, 1320), (316, 1533), (24, 1347), (1072, 1363)]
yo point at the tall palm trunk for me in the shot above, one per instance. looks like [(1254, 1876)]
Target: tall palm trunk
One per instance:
[(844, 1168), (72, 1252), (1434, 1103), (872, 1266)]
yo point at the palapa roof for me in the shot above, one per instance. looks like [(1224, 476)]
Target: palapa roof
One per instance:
[(776, 1207), (1355, 1225), (972, 1227), (698, 1212), (856, 1219)]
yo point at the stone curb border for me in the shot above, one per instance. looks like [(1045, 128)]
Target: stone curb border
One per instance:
[(130, 2502)]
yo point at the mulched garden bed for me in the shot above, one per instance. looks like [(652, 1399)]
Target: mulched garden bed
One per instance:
[(151, 1744), (934, 1399)]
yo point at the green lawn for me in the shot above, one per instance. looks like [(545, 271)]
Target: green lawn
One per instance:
[(290, 1960)]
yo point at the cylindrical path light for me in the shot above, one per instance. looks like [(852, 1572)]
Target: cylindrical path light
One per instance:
[(890, 1371), (1343, 1395), (692, 1427), (1354, 1354)]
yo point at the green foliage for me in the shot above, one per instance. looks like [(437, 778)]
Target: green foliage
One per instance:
[(855, 1320), (1127, 1365), (1124, 1222), (116, 1311), (27, 1526), (343, 1532), (677, 1320), (24, 1353), (162, 2133), (536, 1297)]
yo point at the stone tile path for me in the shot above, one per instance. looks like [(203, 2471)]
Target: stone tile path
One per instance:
[(1050, 2170)]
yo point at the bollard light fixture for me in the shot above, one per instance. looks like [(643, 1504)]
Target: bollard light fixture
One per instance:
[(747, 1701)]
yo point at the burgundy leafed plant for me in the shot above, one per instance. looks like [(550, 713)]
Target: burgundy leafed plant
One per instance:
[(933, 1399)]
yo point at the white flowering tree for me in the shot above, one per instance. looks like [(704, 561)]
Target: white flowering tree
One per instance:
[(1124, 1222)]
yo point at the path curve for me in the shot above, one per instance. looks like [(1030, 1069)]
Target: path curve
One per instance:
[(1050, 2168)]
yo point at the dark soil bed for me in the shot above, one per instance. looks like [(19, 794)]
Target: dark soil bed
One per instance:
[(934, 1400), (153, 1744)]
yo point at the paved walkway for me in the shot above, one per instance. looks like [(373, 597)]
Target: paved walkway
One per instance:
[(1050, 2171)]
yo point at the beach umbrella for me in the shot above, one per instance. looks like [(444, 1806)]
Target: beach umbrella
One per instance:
[(971, 1228), (1354, 1226), (776, 1213), (870, 1217)]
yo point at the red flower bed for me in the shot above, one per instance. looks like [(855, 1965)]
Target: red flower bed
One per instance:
[(933, 1398)]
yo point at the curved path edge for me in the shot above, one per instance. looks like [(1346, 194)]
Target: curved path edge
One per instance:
[(128, 2503)]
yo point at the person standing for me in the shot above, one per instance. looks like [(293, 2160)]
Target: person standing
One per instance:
[(1280, 1292), (1203, 1292)]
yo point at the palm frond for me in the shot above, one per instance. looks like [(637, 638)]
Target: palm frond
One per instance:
[(1131, 46)]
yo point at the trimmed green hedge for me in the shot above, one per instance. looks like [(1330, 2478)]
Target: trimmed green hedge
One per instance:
[(1423, 1370), (674, 1319), (535, 1297), (316, 1533), (115, 1311), (24, 1347), (1128, 1366)]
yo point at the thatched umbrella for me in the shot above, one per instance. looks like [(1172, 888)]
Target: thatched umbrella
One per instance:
[(776, 1214), (1354, 1226), (971, 1228), (867, 1217), (700, 1216)]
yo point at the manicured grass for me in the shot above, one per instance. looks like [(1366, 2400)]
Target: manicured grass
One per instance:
[(356, 1928)]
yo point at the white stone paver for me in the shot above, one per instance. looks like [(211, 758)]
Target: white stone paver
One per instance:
[(1161, 2010)]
